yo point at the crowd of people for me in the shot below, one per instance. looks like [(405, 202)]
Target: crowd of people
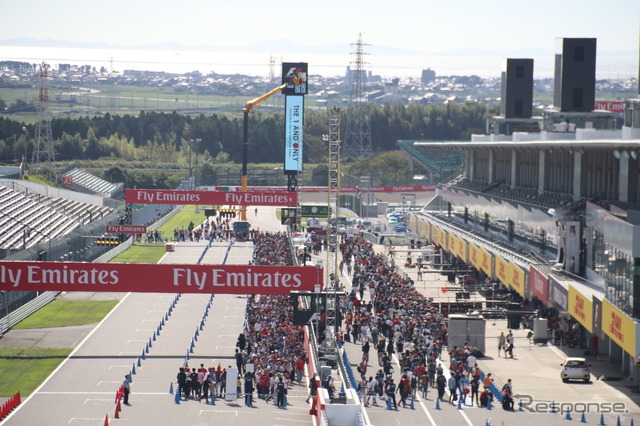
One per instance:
[(270, 355), (399, 320)]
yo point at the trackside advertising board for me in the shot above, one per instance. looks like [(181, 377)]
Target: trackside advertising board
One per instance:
[(126, 229), (153, 278), (293, 125), (233, 198)]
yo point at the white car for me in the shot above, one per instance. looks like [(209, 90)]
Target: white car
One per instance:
[(575, 369)]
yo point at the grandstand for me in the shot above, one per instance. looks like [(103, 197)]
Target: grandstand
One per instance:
[(82, 181), (28, 219), (440, 163)]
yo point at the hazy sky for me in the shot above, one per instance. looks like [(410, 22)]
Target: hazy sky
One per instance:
[(426, 25)]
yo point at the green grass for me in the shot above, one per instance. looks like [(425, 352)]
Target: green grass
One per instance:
[(185, 216), (64, 313), (141, 253), (23, 370)]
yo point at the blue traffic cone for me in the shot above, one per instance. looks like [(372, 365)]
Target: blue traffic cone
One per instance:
[(142, 356), (583, 419), (133, 368), (150, 344), (459, 403), (412, 406), (488, 403), (487, 423), (139, 362), (213, 398), (618, 422), (631, 424), (553, 407), (176, 399), (129, 378), (437, 403), (171, 388), (602, 423), (520, 406), (154, 336), (146, 348), (388, 403), (567, 415)]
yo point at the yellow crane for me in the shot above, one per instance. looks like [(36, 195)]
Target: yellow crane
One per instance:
[(251, 107)]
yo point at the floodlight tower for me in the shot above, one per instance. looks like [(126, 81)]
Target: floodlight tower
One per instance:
[(332, 278), (357, 139), (43, 150)]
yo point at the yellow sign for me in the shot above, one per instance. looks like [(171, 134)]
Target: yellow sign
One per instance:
[(485, 262), (442, 242), (435, 234), (462, 249), (502, 271), (517, 278), (581, 308), (474, 255), (619, 327)]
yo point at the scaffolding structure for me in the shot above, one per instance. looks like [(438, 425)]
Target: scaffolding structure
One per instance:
[(357, 140), (43, 149), (331, 276)]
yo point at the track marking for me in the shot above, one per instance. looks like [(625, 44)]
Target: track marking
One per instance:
[(219, 411), (126, 296)]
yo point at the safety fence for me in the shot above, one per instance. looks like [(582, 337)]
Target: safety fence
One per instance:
[(14, 317)]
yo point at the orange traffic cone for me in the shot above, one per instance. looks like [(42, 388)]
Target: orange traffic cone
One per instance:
[(117, 413), (106, 420), (119, 407)]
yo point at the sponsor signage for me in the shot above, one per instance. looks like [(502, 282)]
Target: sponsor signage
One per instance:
[(538, 285), (315, 211), (343, 189), (619, 327), (558, 295), (581, 308), (442, 239), (597, 317), (158, 278), (502, 271), (67, 180), (517, 278), (293, 122), (249, 198), (294, 75), (612, 106), (474, 255), (485, 261), (126, 229)]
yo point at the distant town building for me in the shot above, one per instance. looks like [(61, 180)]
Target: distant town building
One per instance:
[(428, 76)]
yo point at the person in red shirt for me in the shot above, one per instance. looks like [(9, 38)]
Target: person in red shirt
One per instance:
[(299, 369)]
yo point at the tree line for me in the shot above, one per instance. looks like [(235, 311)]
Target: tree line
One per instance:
[(159, 136)]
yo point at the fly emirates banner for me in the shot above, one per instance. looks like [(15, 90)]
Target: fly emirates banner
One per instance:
[(233, 198), (154, 278)]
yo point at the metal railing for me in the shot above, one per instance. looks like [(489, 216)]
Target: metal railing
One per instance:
[(25, 310)]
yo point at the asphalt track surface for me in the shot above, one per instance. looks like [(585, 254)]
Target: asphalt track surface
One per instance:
[(82, 390)]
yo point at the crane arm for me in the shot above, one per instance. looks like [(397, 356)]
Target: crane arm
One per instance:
[(253, 104)]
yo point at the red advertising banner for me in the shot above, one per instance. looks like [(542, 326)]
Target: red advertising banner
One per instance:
[(538, 285), (343, 189), (233, 198), (126, 229), (612, 106), (158, 278), (67, 180)]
